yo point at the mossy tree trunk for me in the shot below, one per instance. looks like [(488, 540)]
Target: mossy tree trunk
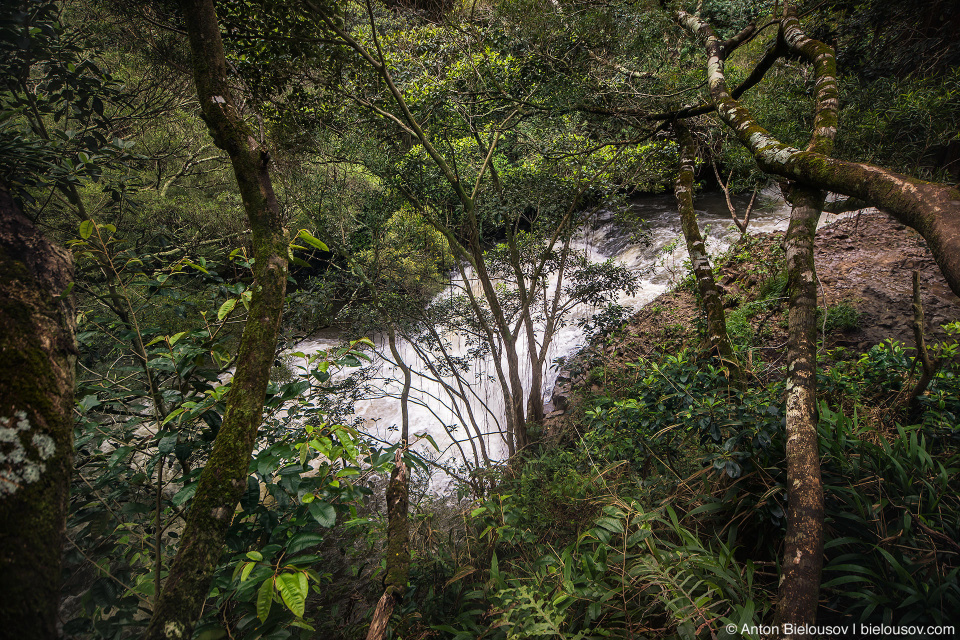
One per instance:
[(803, 546), (717, 338), (398, 548), (398, 535), (224, 478), (37, 357)]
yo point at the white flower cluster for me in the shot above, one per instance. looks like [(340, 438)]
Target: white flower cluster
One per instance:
[(16, 467)]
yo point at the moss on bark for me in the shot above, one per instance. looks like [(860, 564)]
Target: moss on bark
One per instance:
[(933, 210), (717, 337), (223, 479), (37, 355)]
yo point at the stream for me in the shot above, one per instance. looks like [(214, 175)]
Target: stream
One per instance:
[(479, 409)]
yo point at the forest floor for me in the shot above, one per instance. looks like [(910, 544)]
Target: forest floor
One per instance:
[(864, 266)]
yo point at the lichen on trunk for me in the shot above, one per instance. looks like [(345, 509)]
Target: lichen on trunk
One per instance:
[(223, 479), (803, 546), (37, 357), (718, 341)]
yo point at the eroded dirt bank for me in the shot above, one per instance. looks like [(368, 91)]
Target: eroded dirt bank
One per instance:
[(864, 266)]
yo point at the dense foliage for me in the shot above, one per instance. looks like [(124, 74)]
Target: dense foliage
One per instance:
[(659, 512)]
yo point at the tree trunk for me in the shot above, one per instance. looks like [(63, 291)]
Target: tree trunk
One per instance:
[(398, 548), (717, 337), (803, 547), (37, 357), (398, 535), (928, 366), (223, 479)]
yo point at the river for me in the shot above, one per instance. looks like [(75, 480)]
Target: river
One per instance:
[(435, 408)]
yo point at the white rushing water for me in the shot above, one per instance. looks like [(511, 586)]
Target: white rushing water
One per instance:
[(658, 261)]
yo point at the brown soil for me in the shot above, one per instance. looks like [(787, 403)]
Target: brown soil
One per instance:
[(869, 260), (865, 261)]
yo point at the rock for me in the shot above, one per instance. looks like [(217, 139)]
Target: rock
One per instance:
[(560, 398)]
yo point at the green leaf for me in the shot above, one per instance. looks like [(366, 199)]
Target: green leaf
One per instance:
[(184, 494), (430, 439), (638, 537), (256, 556), (313, 242), (226, 308), (593, 611), (301, 624), (167, 444), (323, 513), (173, 414), (303, 584), (86, 229), (264, 599), (614, 526), (88, 402), (303, 541), (176, 336), (288, 584), (247, 568), (119, 454)]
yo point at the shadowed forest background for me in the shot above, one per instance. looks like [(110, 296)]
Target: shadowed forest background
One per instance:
[(487, 319)]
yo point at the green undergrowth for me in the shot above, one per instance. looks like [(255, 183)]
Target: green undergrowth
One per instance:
[(664, 516), (753, 276)]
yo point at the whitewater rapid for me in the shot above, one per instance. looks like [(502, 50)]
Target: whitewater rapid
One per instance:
[(658, 260)]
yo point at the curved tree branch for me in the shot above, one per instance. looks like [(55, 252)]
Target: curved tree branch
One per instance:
[(932, 209)]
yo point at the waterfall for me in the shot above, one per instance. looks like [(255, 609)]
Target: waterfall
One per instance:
[(659, 263)]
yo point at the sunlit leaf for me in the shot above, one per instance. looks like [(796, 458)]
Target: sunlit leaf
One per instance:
[(226, 308), (288, 584)]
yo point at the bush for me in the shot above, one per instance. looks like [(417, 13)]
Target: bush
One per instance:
[(842, 316)]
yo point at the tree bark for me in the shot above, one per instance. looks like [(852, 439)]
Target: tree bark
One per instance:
[(37, 357), (928, 366), (398, 548), (398, 535), (803, 546), (223, 479), (717, 338)]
